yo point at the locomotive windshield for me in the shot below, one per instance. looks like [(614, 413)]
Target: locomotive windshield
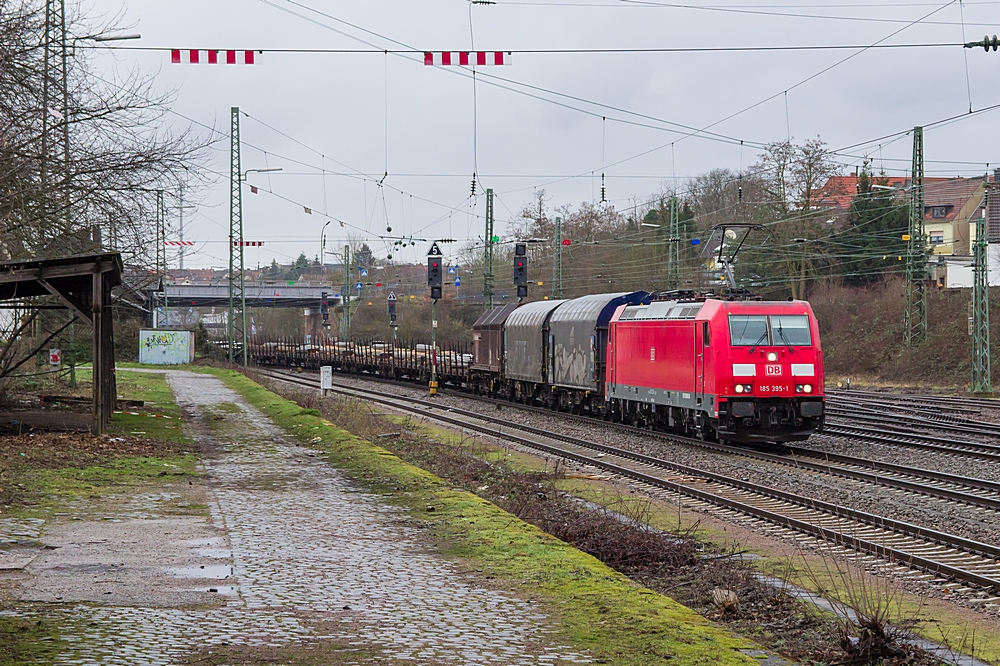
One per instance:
[(747, 330), (785, 330), (791, 330)]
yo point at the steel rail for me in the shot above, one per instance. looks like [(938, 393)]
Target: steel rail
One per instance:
[(982, 403), (952, 425), (488, 425), (914, 441), (893, 476)]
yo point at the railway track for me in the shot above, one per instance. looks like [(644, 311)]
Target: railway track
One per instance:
[(948, 487), (950, 402), (937, 553), (915, 441), (896, 419)]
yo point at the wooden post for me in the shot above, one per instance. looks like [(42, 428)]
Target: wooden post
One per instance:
[(98, 378)]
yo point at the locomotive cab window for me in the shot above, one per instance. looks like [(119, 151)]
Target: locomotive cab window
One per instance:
[(748, 330), (791, 330), (781, 330)]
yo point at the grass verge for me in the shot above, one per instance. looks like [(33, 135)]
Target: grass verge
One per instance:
[(41, 472), (599, 609)]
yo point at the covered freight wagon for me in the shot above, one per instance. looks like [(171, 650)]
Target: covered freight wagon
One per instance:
[(524, 338), (487, 338), (578, 340)]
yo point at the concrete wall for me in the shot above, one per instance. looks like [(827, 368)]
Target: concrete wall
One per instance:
[(166, 347)]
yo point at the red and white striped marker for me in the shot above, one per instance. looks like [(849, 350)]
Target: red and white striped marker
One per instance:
[(249, 243), (214, 57), (179, 243), (466, 58)]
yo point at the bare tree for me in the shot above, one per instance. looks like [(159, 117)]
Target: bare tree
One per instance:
[(121, 149), (82, 154)]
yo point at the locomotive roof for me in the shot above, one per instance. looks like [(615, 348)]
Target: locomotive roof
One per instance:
[(690, 309), (663, 310)]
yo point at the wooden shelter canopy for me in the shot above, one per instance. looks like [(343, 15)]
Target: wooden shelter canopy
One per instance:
[(83, 284), (27, 277)]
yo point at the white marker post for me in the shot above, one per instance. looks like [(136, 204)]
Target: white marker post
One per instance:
[(325, 379)]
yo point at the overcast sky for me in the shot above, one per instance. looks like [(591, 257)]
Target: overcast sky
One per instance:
[(369, 113)]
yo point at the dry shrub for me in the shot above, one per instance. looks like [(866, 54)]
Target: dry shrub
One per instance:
[(862, 332), (873, 624)]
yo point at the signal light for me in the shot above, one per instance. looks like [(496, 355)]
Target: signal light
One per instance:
[(567, 241), (803, 388), (521, 269), (771, 356), (744, 388)]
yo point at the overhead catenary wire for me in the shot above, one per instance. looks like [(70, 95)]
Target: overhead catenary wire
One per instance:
[(603, 121)]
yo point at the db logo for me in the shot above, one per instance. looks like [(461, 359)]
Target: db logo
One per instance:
[(772, 370)]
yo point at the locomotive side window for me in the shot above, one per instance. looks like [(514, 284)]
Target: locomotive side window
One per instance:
[(705, 336), (748, 330), (791, 330)]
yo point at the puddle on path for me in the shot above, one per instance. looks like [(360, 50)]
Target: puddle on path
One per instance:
[(219, 571)]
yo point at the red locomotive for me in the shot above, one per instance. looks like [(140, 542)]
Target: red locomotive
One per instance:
[(741, 371), (734, 370)]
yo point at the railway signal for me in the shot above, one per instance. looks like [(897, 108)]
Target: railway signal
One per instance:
[(434, 277), (324, 309), (391, 306), (391, 300), (521, 269)]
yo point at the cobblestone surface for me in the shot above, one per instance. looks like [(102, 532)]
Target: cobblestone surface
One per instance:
[(20, 530), (304, 546)]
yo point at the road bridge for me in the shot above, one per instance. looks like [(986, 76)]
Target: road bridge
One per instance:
[(259, 295)]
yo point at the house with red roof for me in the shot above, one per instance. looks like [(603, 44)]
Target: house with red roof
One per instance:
[(951, 206)]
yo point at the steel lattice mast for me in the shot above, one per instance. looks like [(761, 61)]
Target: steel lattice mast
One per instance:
[(915, 314), (237, 299), (557, 261), (345, 315), (981, 374), (488, 254), (161, 259), (55, 130), (674, 246)]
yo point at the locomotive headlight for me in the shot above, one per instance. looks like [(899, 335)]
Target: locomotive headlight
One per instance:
[(771, 356), (739, 388), (808, 388)]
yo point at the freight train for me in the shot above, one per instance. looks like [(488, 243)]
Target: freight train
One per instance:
[(714, 367), (744, 371)]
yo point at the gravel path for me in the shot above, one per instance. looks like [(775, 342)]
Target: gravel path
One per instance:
[(305, 556)]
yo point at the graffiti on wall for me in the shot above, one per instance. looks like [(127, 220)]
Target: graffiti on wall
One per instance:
[(165, 347)]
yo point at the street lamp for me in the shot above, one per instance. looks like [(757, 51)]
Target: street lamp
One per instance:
[(103, 38), (249, 171)]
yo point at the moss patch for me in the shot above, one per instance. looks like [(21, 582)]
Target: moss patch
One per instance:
[(599, 609), (27, 641)]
